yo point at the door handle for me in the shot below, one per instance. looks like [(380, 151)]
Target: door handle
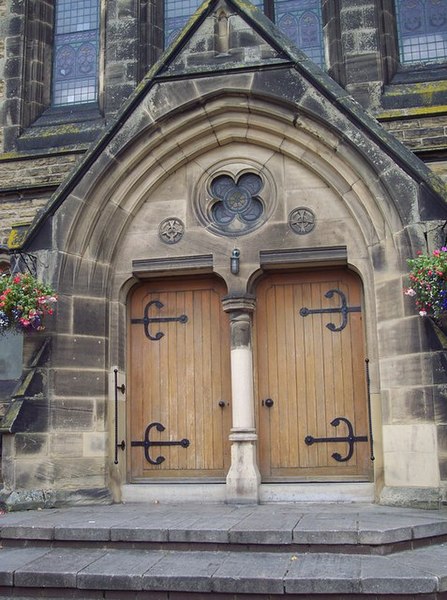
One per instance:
[(222, 403), (268, 403)]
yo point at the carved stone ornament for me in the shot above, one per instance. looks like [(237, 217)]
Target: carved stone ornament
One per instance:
[(171, 230), (302, 220), (234, 198)]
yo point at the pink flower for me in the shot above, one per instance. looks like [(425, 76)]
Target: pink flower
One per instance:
[(422, 313), (409, 292)]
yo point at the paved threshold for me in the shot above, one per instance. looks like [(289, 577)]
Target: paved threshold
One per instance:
[(173, 551), (276, 525)]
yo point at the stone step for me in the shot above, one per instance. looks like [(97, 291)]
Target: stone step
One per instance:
[(409, 573), (368, 529), (181, 552)]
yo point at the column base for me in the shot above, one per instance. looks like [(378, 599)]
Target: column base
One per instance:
[(243, 478), (411, 497)]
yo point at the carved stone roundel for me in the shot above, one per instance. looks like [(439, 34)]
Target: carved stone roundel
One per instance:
[(302, 220), (234, 197), (171, 230)]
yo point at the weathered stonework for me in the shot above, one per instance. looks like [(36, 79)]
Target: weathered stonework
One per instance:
[(261, 107), (421, 135), (26, 186)]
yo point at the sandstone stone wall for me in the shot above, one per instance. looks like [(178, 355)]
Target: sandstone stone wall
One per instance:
[(3, 21), (27, 183), (362, 57), (69, 441), (421, 132)]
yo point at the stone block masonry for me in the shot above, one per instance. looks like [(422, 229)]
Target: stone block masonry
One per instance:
[(2, 61), (421, 132), (40, 175)]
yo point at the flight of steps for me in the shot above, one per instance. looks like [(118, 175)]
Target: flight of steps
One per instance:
[(201, 551)]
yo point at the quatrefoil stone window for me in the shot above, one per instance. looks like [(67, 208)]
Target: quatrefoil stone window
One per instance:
[(237, 206)]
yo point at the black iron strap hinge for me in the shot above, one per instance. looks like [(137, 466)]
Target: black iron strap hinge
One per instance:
[(147, 443), (350, 439), (344, 309), (147, 320)]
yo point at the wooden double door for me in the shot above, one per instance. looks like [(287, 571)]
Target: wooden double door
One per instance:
[(309, 370)]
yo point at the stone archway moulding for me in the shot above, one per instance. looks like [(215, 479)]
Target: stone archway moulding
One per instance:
[(114, 195)]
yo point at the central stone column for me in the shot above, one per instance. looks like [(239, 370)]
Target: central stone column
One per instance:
[(243, 478)]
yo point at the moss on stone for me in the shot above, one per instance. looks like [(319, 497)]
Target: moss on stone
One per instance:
[(423, 87), (416, 111), (62, 129)]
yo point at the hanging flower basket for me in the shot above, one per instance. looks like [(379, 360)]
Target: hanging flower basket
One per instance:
[(428, 283), (24, 303)]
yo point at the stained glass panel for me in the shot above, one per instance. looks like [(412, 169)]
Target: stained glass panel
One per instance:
[(422, 30), (177, 13), (301, 21), (76, 43)]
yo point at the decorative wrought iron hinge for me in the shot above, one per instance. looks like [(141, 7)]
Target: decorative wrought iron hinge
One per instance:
[(351, 439), (344, 309), (147, 443), (146, 320)]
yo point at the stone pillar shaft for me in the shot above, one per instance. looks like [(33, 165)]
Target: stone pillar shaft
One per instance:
[(243, 478), (242, 373)]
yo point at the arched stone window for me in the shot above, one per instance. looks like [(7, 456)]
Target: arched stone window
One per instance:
[(76, 50), (421, 30)]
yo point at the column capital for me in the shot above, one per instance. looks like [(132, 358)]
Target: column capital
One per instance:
[(245, 303)]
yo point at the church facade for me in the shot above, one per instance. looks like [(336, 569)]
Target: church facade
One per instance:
[(227, 223)]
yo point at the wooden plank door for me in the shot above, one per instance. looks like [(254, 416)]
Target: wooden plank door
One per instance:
[(312, 374), (179, 378)]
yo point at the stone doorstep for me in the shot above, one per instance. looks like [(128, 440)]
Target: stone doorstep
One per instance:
[(328, 542), (422, 571), (64, 594), (365, 529)]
